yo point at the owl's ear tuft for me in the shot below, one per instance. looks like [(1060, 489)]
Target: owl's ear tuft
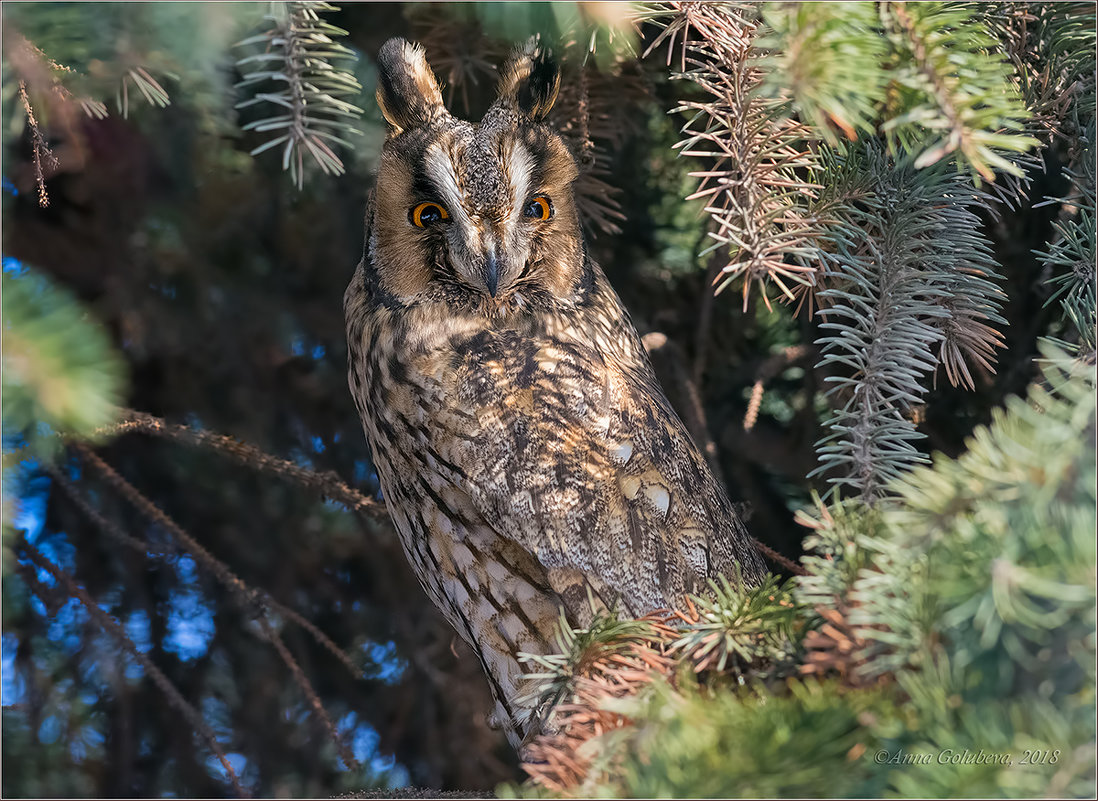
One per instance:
[(530, 80), (407, 91)]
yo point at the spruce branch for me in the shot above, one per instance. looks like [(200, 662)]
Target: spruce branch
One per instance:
[(953, 91), (1052, 49), (609, 659), (737, 631), (601, 683), (691, 23), (39, 76), (1072, 253), (758, 165), (991, 553), (60, 368), (835, 647), (588, 651), (50, 78), (828, 58), (835, 556), (910, 284), (1055, 56), (312, 113)]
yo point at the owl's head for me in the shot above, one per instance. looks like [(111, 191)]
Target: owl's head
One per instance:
[(477, 214)]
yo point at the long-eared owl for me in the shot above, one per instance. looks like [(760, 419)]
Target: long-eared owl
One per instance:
[(527, 455)]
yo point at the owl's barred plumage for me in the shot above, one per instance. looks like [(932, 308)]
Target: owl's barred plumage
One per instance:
[(527, 455)]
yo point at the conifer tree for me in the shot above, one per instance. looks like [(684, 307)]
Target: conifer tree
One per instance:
[(854, 173), (941, 640)]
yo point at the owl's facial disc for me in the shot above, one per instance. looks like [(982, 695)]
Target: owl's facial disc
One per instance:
[(501, 197), (479, 215), (486, 210)]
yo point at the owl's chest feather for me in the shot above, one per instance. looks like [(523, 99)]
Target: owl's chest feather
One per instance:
[(454, 374), (426, 393)]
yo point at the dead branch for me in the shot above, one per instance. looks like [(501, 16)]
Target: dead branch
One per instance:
[(248, 595), (314, 700), (115, 630), (44, 160), (327, 483), (108, 527)]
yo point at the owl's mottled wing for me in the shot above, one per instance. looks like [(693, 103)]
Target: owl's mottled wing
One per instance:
[(581, 460)]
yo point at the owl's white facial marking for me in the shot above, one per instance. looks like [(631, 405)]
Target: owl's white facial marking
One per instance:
[(475, 248), (483, 180), (520, 165), (440, 169)]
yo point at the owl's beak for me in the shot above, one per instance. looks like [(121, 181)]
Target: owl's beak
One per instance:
[(491, 274)]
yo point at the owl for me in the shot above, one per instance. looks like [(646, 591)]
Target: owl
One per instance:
[(526, 453)]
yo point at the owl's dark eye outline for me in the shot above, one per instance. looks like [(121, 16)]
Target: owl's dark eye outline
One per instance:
[(423, 214), (539, 208)]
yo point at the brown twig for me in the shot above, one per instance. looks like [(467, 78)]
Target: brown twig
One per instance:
[(705, 315), (247, 594), (328, 483), (767, 370), (307, 688), (776, 557), (53, 598), (43, 77), (115, 630), (108, 527), (44, 160)]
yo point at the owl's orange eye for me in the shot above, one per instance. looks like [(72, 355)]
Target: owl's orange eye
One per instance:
[(424, 214), (538, 209)]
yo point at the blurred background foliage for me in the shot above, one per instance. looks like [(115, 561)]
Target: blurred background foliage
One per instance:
[(890, 188)]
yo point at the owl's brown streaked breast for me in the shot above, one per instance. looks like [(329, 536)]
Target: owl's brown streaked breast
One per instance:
[(531, 464), (494, 592)]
